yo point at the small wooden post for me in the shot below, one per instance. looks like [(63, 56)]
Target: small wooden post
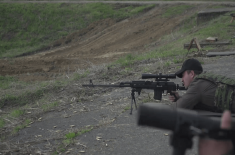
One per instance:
[(197, 44)]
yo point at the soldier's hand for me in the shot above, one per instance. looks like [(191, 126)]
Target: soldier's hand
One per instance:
[(173, 98), (216, 147)]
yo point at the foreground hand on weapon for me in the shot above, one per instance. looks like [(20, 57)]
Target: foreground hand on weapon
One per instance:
[(216, 135), (205, 91), (214, 147)]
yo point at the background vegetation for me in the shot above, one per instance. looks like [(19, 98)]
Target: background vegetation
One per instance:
[(27, 28)]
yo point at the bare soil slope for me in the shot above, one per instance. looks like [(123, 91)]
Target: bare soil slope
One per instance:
[(101, 42)]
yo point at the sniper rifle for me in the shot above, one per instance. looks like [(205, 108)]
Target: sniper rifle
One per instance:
[(160, 85)]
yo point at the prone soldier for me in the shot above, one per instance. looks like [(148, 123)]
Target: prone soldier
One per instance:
[(205, 91)]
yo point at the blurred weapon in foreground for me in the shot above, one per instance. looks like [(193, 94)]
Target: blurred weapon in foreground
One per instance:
[(185, 124)]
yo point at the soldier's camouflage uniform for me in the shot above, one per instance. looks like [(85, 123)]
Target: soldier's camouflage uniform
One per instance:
[(209, 92)]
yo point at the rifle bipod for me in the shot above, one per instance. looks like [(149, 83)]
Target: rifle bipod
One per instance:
[(133, 90)]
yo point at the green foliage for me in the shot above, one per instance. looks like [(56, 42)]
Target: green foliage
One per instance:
[(19, 127), (46, 107), (70, 135), (176, 10), (175, 60), (207, 48), (29, 27), (84, 131), (127, 108), (78, 76), (5, 81), (60, 83), (127, 60), (147, 99), (146, 70), (167, 64), (2, 123), (217, 27), (126, 70), (22, 99), (17, 113), (139, 9), (202, 62)]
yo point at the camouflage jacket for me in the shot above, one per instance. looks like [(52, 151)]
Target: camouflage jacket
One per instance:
[(225, 91)]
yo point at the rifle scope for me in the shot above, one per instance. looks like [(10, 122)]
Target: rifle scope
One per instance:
[(158, 76)]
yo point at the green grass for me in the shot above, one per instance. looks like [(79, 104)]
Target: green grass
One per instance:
[(5, 81), (22, 99), (26, 28), (176, 10), (127, 60), (88, 129), (19, 127), (78, 76), (17, 113), (2, 123), (49, 106), (127, 108), (71, 135)]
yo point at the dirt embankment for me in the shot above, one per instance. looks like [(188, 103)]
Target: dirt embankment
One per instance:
[(101, 42)]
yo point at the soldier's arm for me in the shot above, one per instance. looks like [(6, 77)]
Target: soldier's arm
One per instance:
[(191, 98)]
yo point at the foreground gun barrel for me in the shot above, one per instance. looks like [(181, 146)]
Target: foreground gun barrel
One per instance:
[(165, 117), (148, 76)]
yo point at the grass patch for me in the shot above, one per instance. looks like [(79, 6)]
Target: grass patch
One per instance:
[(2, 123), (127, 60), (147, 99), (23, 99), (175, 10), (127, 108), (19, 127), (177, 60), (126, 71), (88, 129), (49, 106), (78, 76), (17, 113), (28, 28), (5, 81), (207, 48), (70, 136)]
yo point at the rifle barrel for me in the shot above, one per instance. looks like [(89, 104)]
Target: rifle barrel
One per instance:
[(90, 85)]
